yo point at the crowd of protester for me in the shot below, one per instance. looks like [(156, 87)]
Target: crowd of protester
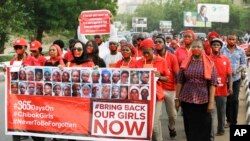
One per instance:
[(193, 74)]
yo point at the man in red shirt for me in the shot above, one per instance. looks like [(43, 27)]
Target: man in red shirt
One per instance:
[(170, 86), (149, 60), (210, 37), (224, 76), (20, 46)]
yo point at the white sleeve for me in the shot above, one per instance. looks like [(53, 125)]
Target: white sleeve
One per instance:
[(113, 31), (81, 37), (103, 49)]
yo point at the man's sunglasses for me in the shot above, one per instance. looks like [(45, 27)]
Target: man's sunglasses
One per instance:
[(112, 43), (140, 39), (18, 47)]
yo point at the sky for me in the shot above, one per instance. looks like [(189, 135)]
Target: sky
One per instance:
[(128, 5)]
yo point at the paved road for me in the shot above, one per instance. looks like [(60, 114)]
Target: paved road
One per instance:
[(179, 124)]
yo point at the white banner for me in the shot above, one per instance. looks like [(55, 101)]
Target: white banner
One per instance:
[(213, 12)]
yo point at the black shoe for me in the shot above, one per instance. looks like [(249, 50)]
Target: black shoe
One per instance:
[(220, 133), (24, 137), (172, 133)]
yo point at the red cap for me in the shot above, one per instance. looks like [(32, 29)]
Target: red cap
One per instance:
[(35, 45), (20, 42), (147, 43)]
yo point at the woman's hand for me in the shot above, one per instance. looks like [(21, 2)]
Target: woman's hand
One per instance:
[(210, 107), (157, 74), (177, 104), (95, 67)]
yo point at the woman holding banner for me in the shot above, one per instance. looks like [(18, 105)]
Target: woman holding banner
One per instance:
[(55, 54), (150, 60), (93, 54), (127, 60), (80, 57)]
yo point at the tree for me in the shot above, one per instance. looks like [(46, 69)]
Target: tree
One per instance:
[(42, 15), (11, 20), (173, 11)]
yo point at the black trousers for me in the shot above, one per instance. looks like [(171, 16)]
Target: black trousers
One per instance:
[(233, 104), (197, 121)]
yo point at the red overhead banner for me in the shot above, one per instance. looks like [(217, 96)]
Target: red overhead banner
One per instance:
[(95, 22)]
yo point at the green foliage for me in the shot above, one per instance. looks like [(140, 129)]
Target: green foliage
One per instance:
[(173, 10), (34, 17)]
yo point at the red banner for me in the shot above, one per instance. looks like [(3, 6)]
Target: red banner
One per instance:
[(94, 22), (44, 101)]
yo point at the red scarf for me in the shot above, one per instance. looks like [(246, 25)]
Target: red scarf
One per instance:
[(208, 65)]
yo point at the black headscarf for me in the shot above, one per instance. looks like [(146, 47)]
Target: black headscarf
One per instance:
[(83, 58)]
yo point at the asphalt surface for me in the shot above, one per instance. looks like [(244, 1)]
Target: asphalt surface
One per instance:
[(164, 120)]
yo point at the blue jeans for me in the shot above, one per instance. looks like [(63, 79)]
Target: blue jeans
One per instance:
[(221, 112), (233, 104)]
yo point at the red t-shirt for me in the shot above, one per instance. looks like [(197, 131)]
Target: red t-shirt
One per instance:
[(161, 65), (86, 64), (27, 60), (68, 56), (138, 52), (181, 53), (132, 64), (173, 68), (40, 61), (223, 67)]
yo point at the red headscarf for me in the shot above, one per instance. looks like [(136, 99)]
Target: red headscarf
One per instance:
[(131, 47), (213, 34), (59, 54), (190, 32), (147, 43)]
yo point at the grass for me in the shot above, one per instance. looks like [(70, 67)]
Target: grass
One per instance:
[(6, 58)]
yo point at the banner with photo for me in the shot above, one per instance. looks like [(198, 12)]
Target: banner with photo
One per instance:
[(190, 19), (213, 12), (80, 103)]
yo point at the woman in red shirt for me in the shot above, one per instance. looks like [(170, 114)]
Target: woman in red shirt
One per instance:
[(55, 54), (195, 90), (149, 60), (183, 51), (127, 61), (80, 57)]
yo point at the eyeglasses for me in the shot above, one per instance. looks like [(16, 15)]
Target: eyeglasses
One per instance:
[(123, 50), (18, 47), (158, 42), (89, 46), (112, 43), (140, 39), (145, 52), (77, 49), (52, 50)]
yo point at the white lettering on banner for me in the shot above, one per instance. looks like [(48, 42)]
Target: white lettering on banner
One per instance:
[(45, 123), (33, 115), (27, 105), (119, 119)]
